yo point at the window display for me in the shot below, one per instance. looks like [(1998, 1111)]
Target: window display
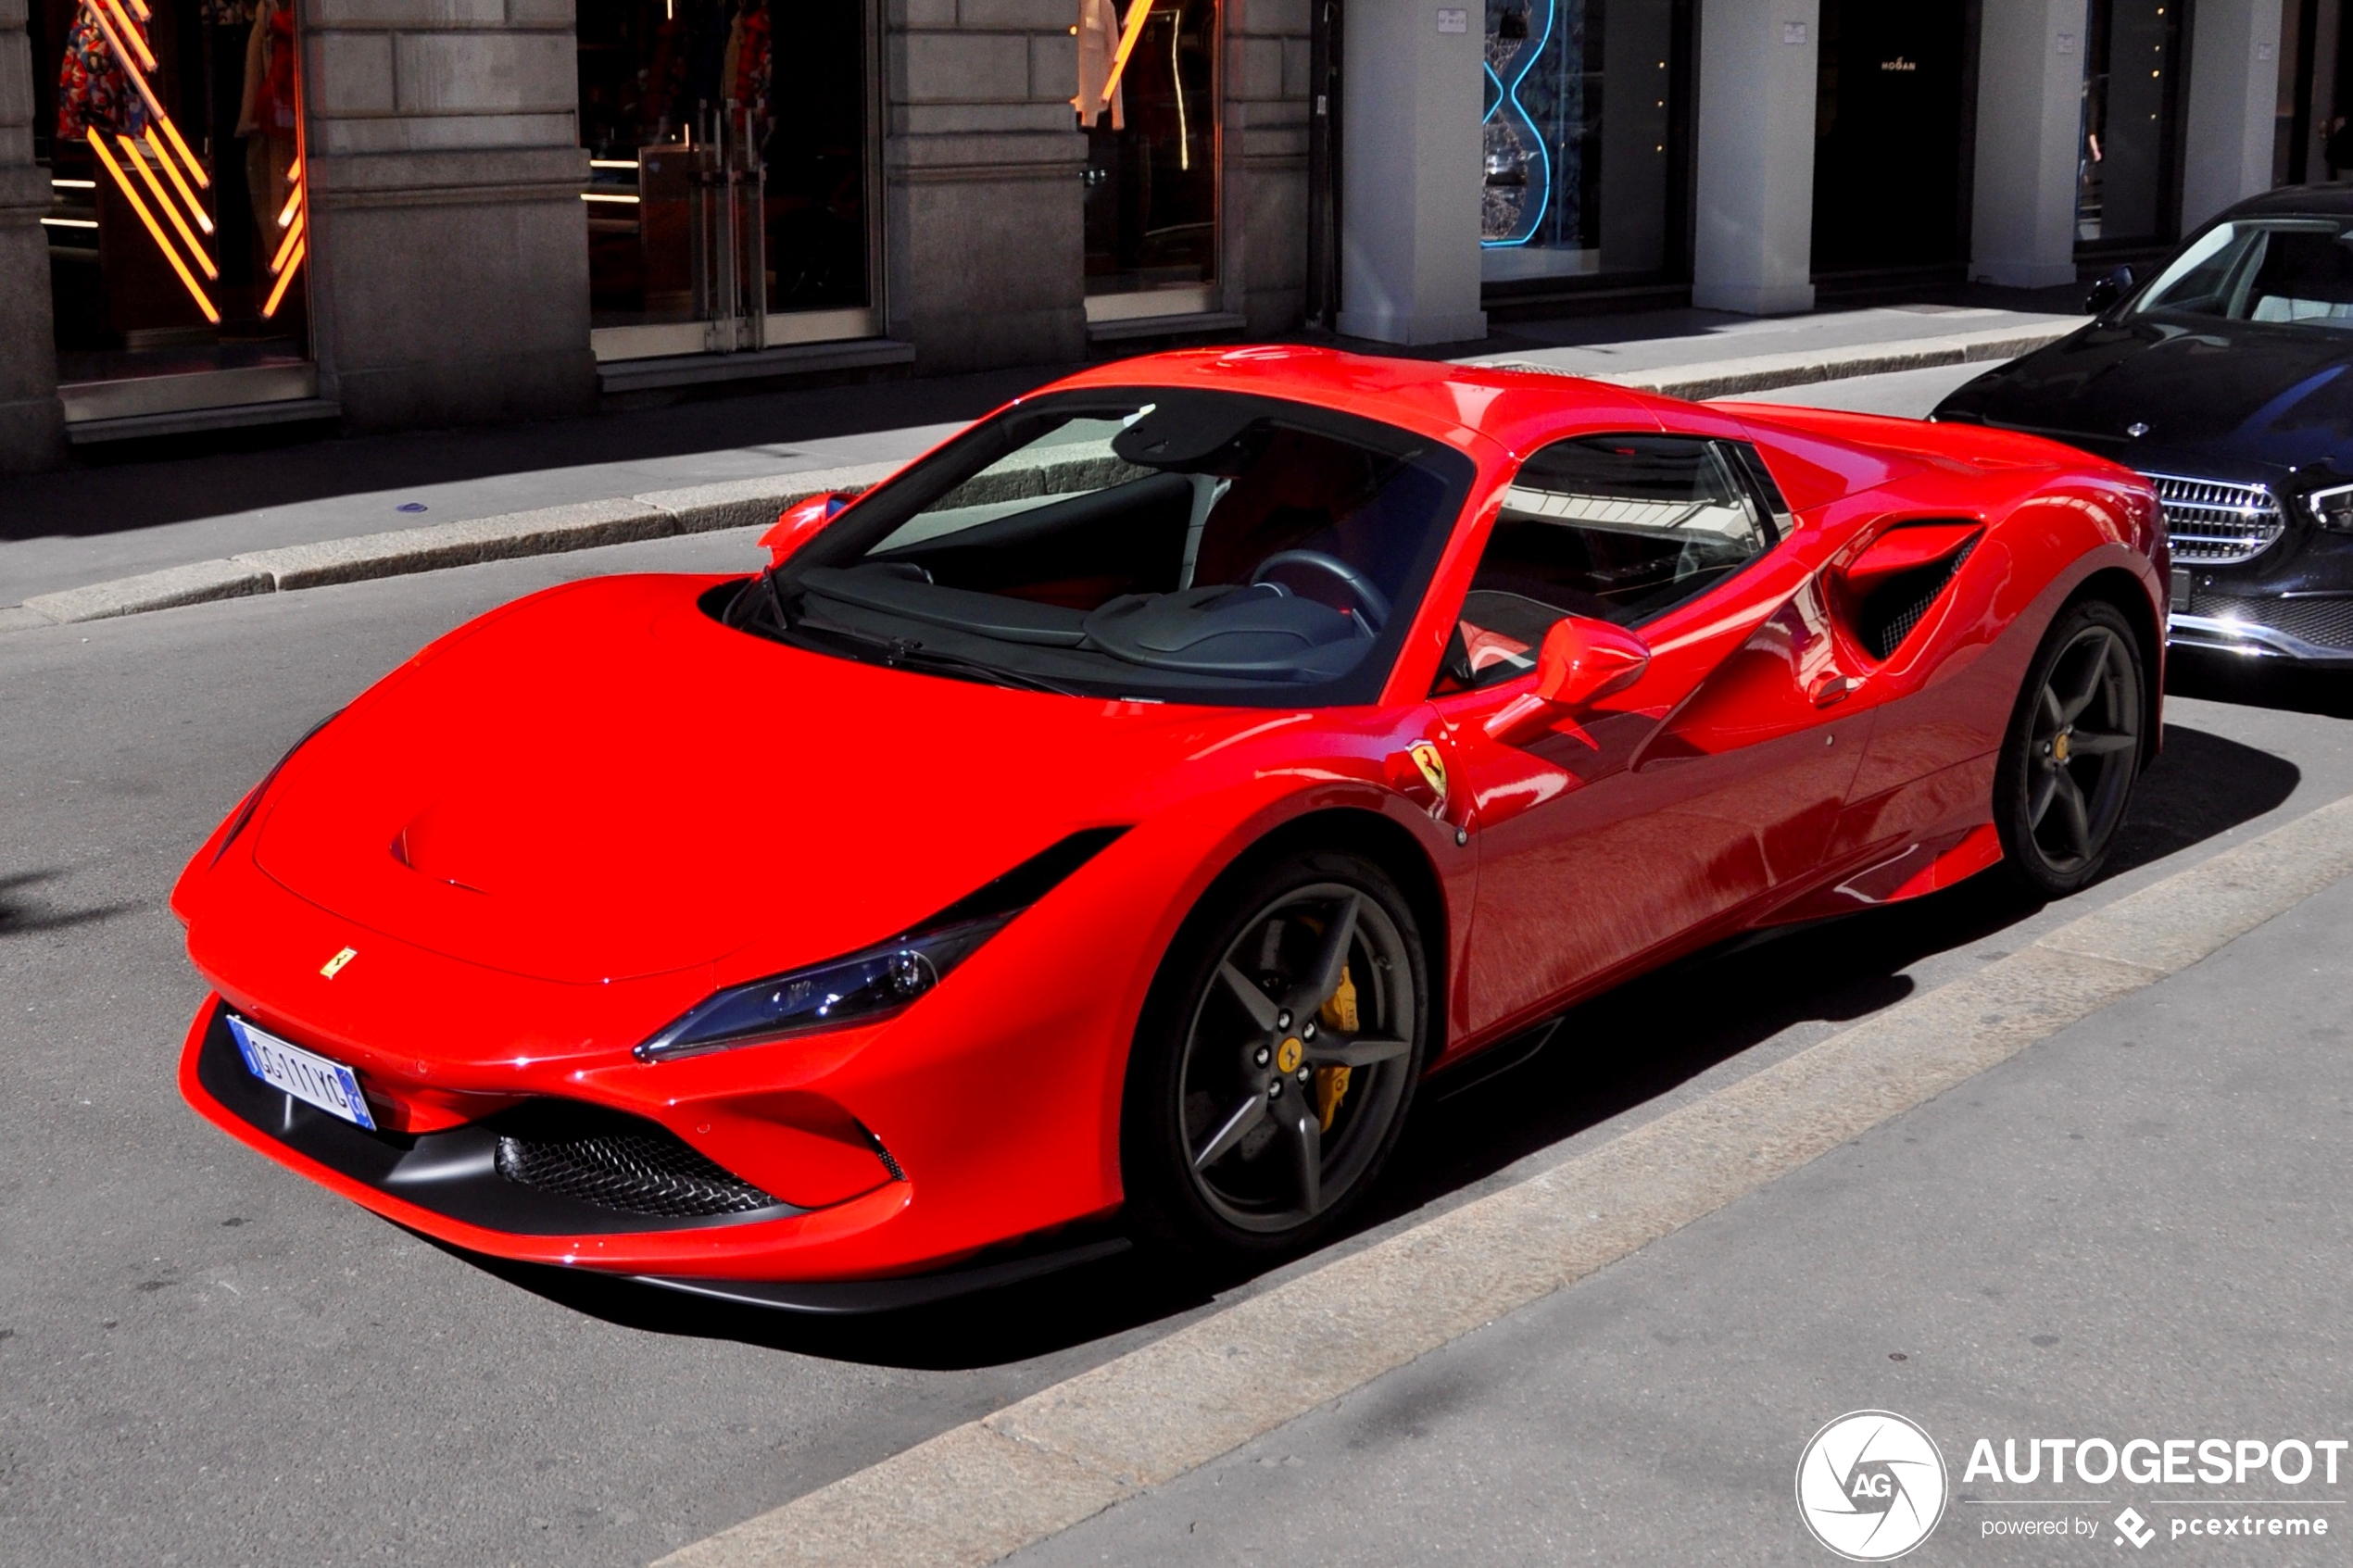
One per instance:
[(171, 131), (1581, 99), (1147, 99), (1892, 105), (729, 203), (2126, 167)]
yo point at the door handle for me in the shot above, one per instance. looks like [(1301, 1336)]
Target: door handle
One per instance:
[(1831, 689)]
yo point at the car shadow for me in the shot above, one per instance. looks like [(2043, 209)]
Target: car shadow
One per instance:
[(2258, 682), (1608, 1056)]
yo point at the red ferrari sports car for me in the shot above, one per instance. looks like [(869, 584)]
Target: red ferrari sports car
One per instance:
[(1110, 821)]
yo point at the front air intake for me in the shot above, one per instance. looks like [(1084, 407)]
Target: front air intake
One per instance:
[(628, 1165)]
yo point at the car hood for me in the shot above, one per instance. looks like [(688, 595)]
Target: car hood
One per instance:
[(2223, 398), (603, 783)]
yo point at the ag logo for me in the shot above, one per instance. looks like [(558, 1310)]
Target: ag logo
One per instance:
[(1870, 1486)]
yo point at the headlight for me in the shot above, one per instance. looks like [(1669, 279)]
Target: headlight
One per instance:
[(2333, 508), (863, 988)]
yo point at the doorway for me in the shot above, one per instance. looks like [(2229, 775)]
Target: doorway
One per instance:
[(1893, 128)]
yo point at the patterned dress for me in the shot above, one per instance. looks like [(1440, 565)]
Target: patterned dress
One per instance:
[(93, 91)]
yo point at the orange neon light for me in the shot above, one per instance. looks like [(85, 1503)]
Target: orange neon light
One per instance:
[(171, 132), (294, 200), (1137, 16), (163, 242), (293, 170), (146, 56), (140, 6), (163, 200), (172, 169), (287, 246), (285, 278)]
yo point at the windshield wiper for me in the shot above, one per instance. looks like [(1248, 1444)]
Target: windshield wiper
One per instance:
[(912, 655)]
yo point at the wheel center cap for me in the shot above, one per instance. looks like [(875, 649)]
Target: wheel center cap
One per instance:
[(1288, 1054), (2059, 747)]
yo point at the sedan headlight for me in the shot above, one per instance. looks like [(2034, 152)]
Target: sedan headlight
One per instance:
[(863, 988), (2333, 508)]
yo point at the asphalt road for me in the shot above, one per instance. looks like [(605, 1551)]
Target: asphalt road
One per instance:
[(204, 1359)]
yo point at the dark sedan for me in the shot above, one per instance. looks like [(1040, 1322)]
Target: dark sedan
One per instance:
[(2227, 378)]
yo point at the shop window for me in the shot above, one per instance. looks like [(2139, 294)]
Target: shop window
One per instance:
[(171, 132), (1580, 139), (1146, 98), (1894, 90), (730, 203), (2127, 185)]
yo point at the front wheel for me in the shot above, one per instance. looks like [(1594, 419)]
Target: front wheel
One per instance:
[(2072, 753), (1276, 1060)]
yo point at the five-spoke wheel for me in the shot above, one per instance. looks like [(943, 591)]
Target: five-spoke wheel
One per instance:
[(2074, 750), (1275, 1066)]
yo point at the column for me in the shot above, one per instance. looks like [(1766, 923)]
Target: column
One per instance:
[(2030, 108), (1411, 171), (31, 423), (450, 279), (985, 244), (2234, 83), (1264, 255), (1753, 247)]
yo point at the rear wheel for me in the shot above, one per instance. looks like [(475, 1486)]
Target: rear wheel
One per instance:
[(1276, 1061), (2073, 751)]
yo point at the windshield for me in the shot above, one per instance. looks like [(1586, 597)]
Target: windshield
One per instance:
[(1171, 545), (2294, 271)]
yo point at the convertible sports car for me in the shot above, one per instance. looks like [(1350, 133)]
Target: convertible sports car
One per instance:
[(1107, 823), (2223, 378)]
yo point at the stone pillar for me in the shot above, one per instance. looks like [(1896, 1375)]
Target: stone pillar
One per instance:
[(1754, 248), (1411, 172), (1264, 249), (2234, 84), (31, 422), (984, 161), (449, 278), (2030, 107)]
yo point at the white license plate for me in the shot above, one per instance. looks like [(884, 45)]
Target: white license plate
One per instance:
[(307, 1075)]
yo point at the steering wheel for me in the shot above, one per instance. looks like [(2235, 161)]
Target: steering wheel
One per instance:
[(1372, 604)]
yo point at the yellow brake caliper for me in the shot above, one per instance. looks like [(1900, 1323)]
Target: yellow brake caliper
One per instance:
[(1338, 1011)]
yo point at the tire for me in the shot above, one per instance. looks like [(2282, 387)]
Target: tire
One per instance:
[(1255, 1116), (2072, 752)]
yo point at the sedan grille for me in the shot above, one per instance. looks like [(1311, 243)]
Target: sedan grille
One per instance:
[(2211, 524), (2323, 620), (635, 1171)]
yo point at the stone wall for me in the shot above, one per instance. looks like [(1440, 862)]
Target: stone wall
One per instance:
[(1265, 251), (31, 424)]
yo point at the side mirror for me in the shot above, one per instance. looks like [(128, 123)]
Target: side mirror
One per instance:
[(1582, 660), (799, 521), (2106, 291)]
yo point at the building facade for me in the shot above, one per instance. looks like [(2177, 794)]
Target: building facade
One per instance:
[(377, 214)]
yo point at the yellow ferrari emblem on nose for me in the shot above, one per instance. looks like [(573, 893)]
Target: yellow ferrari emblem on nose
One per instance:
[(1287, 1056), (1433, 766), (333, 966)]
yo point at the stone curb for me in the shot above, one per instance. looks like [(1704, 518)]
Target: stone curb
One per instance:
[(1766, 372), (749, 502), (981, 1491)]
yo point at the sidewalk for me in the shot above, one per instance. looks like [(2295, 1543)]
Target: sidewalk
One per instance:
[(102, 524)]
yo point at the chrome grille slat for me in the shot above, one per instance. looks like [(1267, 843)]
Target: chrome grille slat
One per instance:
[(2211, 523)]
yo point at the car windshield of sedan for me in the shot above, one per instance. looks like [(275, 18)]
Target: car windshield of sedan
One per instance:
[(2293, 271), (1166, 545)]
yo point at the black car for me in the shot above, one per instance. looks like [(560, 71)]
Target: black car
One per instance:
[(2227, 378)]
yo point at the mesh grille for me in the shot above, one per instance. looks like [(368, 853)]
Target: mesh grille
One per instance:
[(646, 1172), (2215, 524), (2324, 622), (1892, 612)]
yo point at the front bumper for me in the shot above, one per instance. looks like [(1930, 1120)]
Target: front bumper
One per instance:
[(2307, 629)]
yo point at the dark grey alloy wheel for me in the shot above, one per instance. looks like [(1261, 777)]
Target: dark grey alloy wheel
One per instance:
[(1278, 1075), (2074, 752)]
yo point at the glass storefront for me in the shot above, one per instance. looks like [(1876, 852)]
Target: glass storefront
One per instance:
[(731, 202), (178, 235), (1148, 99), (2127, 184), (1580, 139), (1892, 107)]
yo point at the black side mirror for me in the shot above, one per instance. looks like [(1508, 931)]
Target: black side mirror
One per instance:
[(2108, 290)]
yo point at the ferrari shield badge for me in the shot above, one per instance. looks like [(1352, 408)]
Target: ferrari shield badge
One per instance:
[(1432, 766), (333, 966)]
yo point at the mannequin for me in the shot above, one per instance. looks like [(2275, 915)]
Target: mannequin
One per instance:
[(1098, 46)]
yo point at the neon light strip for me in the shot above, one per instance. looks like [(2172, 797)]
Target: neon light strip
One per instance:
[(75, 184), (146, 56), (195, 209), (603, 196), (294, 200), (163, 200), (1137, 16), (163, 242), (612, 163), (285, 278), (70, 222), (287, 247), (171, 133)]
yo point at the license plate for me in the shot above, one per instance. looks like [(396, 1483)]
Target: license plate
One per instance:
[(2181, 590), (307, 1075)]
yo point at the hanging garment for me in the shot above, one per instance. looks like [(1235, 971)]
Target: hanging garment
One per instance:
[(226, 13), (1098, 46), (93, 91), (755, 74)]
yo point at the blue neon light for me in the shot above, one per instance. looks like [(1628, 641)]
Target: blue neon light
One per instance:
[(1510, 94)]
